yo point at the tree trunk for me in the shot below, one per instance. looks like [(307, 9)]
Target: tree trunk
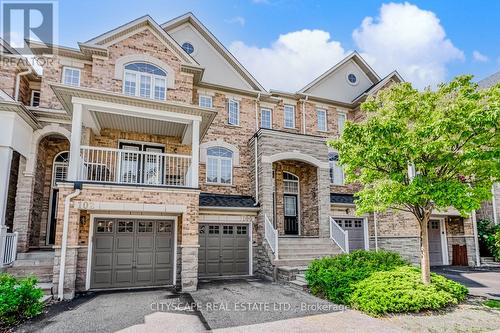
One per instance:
[(424, 251)]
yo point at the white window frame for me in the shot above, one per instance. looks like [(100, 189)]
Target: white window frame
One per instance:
[(219, 160), (334, 181), (152, 82), (207, 97), (33, 95), (237, 103), (323, 111), (262, 110), (285, 107), (78, 70), (341, 115)]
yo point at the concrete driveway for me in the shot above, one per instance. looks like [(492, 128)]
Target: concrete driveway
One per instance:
[(249, 305), (481, 282)]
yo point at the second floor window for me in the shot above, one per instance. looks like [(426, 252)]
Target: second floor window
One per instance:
[(265, 118), (71, 76), (342, 117), (321, 120), (233, 112), (145, 80), (289, 116), (219, 165), (35, 98), (336, 171), (205, 101)]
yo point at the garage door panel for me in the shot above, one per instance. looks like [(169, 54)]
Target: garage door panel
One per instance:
[(163, 258), (145, 243), (104, 243), (123, 277), (123, 260), (124, 243), (103, 260), (163, 276), (164, 242), (144, 258), (144, 276), (102, 277)]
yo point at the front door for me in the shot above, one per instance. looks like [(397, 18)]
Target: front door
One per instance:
[(435, 246), (291, 216)]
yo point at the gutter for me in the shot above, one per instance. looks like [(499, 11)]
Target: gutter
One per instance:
[(64, 245), (18, 81)]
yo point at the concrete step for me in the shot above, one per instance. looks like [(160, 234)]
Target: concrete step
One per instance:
[(42, 275), (46, 262), (306, 250), (36, 255), (301, 278), (293, 262), (304, 240), (299, 285), (310, 256)]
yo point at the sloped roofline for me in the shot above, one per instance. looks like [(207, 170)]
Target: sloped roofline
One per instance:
[(100, 41), (372, 75), (228, 56), (375, 87)]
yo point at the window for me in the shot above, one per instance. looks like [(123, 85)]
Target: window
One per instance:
[(321, 120), (188, 47), (213, 229), (266, 118), (35, 98), (289, 116), (144, 80), (145, 226), (227, 229), (71, 76), (290, 183), (104, 226), (219, 165), (233, 112), (125, 226), (60, 169), (352, 79), (205, 101), (164, 227), (336, 172), (341, 119), (241, 230)]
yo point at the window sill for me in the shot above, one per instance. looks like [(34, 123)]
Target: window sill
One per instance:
[(292, 128), (232, 125), (219, 184)]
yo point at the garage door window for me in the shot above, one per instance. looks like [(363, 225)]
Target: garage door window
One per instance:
[(241, 230), (125, 226), (228, 230), (104, 226), (164, 227), (145, 226), (213, 229)]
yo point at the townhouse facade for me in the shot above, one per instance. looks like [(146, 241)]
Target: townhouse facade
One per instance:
[(150, 156)]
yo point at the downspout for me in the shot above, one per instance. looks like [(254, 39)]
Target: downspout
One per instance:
[(257, 112), (494, 202), (18, 82), (375, 225), (304, 114), (476, 241), (62, 265), (255, 151)]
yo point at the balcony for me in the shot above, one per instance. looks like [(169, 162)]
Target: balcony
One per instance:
[(129, 167)]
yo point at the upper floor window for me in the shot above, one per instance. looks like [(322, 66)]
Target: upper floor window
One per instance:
[(35, 98), (188, 47), (266, 118), (205, 101), (219, 165), (290, 183), (336, 171), (71, 76), (289, 116), (60, 168), (233, 107), (321, 113), (144, 80), (341, 119)]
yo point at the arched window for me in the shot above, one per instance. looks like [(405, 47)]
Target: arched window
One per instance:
[(144, 80), (336, 172), (290, 183), (60, 169), (219, 165)]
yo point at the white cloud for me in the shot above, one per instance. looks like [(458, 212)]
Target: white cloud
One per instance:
[(478, 56), (292, 61), (238, 20), (409, 39)]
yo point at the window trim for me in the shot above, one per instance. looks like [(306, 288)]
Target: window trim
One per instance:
[(152, 81), (229, 111), (284, 116), (219, 168), (74, 69), (318, 111), (341, 114), (332, 181), (200, 96), (32, 95), (270, 117), (352, 83)]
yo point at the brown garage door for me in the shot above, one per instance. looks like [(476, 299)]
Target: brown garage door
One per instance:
[(356, 232), (132, 253), (223, 250)]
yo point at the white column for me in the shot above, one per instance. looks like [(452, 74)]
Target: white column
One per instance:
[(5, 162), (76, 137), (195, 153)]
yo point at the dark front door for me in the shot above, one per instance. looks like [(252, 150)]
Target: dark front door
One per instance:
[(53, 217), (435, 248), (291, 214), (132, 253), (224, 250)]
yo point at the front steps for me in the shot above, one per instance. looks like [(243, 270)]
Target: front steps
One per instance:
[(37, 263), (300, 251), (489, 262)]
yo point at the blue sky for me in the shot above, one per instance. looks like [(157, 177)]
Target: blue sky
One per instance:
[(438, 44)]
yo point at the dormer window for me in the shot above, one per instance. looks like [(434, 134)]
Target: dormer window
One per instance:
[(144, 80)]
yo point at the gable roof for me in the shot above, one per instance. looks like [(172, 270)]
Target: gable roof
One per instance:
[(98, 44), (219, 47), (490, 80), (6, 48), (370, 73), (394, 75)]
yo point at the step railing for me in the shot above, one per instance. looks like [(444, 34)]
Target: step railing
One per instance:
[(339, 235), (271, 235), (10, 248), (120, 166)]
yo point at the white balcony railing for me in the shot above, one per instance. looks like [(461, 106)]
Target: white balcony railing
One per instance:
[(271, 236), (10, 248), (110, 165), (339, 236)]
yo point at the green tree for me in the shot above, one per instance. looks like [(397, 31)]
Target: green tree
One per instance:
[(424, 151)]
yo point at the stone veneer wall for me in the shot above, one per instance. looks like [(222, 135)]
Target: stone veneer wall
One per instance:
[(486, 211), (11, 192), (76, 259)]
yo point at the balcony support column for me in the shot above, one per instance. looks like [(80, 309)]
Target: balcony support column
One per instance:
[(195, 152), (76, 136)]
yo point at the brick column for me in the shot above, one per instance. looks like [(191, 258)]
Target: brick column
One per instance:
[(189, 248), (24, 202), (324, 202)]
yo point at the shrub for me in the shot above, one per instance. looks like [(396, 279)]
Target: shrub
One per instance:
[(19, 299), (333, 277), (401, 290), (489, 238)]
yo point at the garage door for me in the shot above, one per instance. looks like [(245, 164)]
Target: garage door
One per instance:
[(356, 232), (223, 250), (132, 253)]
